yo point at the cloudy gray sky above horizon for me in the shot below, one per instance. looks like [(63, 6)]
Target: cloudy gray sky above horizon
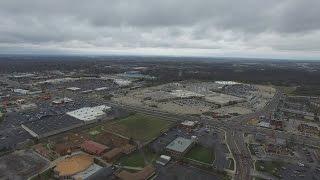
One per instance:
[(246, 28)]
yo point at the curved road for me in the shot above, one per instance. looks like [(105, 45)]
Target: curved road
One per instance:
[(235, 128)]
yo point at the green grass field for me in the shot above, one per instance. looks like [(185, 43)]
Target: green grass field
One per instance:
[(202, 154), (142, 127), (271, 167), (136, 159), (93, 132)]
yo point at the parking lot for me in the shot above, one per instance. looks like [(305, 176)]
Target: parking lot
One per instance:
[(10, 138), (53, 124), (294, 171), (21, 165), (210, 139), (162, 141)]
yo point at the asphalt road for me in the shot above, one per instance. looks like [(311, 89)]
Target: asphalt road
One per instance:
[(235, 128)]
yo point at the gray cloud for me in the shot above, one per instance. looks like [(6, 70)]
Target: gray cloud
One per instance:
[(205, 25)]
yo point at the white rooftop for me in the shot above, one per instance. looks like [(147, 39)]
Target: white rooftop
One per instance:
[(73, 88), (180, 144), (23, 75), (222, 99), (163, 160), (264, 124), (165, 157), (227, 82), (21, 91), (101, 89), (185, 94), (89, 113), (188, 123), (62, 100), (122, 82)]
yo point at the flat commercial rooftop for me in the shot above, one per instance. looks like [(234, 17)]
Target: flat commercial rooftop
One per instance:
[(89, 113), (180, 144), (227, 82), (222, 99), (73, 88), (122, 82), (185, 94), (50, 125)]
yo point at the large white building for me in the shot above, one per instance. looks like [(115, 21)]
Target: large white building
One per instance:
[(73, 88), (185, 94), (226, 82), (89, 113), (222, 99), (21, 91), (122, 82)]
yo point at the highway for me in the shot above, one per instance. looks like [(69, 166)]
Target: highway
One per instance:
[(235, 128)]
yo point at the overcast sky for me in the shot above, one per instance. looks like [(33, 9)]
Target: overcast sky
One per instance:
[(240, 28)]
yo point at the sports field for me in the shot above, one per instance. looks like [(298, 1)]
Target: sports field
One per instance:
[(202, 154), (138, 159), (140, 127)]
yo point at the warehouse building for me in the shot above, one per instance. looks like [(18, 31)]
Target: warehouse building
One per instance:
[(122, 82), (21, 91), (185, 94), (179, 146), (95, 148), (222, 99), (89, 114), (227, 82)]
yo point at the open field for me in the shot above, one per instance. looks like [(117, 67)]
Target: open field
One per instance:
[(95, 131), (288, 90), (202, 154), (139, 127), (138, 159)]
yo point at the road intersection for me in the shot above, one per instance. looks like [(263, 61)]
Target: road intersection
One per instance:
[(235, 129)]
